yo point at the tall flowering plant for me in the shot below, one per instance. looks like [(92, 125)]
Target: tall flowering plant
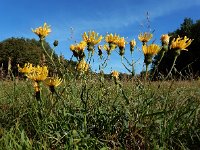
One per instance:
[(177, 45)]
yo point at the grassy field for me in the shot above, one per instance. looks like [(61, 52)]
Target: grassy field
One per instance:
[(92, 112), (100, 114)]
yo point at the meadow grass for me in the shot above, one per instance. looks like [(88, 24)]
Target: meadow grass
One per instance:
[(96, 113), (91, 112)]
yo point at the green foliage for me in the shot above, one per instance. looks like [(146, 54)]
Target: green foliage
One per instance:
[(93, 114)]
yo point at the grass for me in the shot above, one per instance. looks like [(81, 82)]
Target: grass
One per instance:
[(90, 112), (101, 114)]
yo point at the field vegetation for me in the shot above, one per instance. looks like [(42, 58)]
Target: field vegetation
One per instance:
[(59, 104)]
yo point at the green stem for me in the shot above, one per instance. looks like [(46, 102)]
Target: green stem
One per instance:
[(156, 68), (146, 73), (37, 96), (42, 43), (132, 63), (85, 122), (53, 50), (103, 65), (171, 67), (53, 103)]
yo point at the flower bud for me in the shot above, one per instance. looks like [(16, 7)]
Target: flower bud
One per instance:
[(148, 59), (165, 39), (100, 50), (55, 43), (90, 47), (121, 51), (132, 45)]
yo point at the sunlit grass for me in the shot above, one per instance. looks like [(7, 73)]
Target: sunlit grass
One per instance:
[(96, 115)]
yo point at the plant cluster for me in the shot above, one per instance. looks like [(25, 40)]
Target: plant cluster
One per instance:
[(85, 111)]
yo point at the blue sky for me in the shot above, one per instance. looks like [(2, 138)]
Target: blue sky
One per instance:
[(124, 17)]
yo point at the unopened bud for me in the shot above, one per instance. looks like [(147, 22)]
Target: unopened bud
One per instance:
[(100, 50), (55, 43)]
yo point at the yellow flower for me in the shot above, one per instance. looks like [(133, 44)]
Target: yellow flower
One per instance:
[(145, 37), (152, 49), (115, 74), (38, 73), (121, 42), (165, 39), (37, 89), (81, 46), (53, 81), (100, 50), (82, 66), (42, 32), (107, 48), (92, 37), (149, 52), (110, 38), (36, 86), (72, 47), (26, 69), (133, 43), (180, 43), (99, 47), (78, 47)]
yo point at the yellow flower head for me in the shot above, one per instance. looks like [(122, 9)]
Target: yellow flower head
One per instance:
[(165, 39), (82, 66), (107, 48), (115, 74), (152, 49), (180, 43), (53, 81), (78, 47), (145, 37), (81, 46), (149, 52), (38, 73), (99, 47), (72, 47), (42, 32), (110, 38), (92, 37), (26, 69), (121, 42), (133, 43)]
